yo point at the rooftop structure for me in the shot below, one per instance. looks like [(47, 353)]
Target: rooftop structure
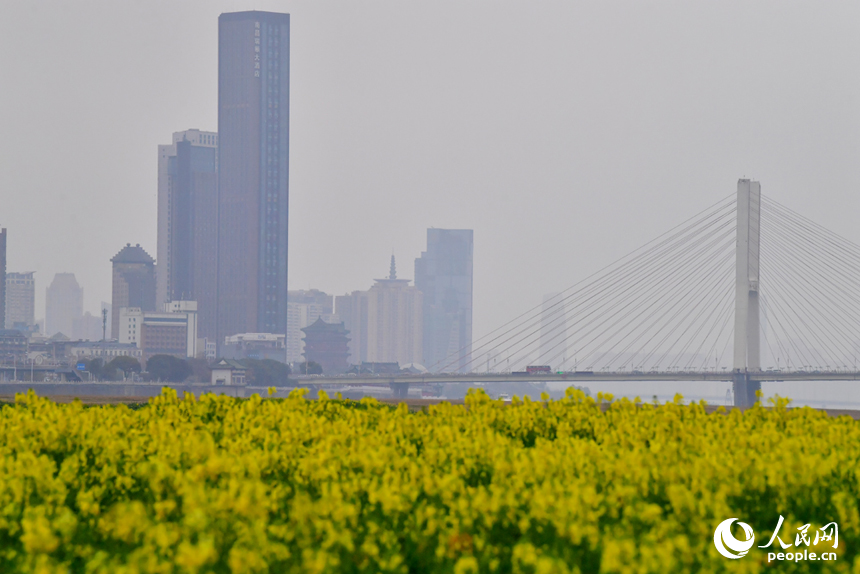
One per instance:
[(133, 282), (255, 346)]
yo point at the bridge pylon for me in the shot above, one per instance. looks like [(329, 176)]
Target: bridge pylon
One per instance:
[(747, 356)]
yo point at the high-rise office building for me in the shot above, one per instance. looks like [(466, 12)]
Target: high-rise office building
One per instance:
[(64, 303), (385, 323), (253, 172), (3, 276), (443, 273), (394, 321), (20, 301), (352, 309), (133, 282), (187, 266)]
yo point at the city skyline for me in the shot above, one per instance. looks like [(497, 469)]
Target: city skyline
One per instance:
[(593, 125)]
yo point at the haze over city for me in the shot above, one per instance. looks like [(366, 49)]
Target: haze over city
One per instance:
[(429, 287), (564, 134)]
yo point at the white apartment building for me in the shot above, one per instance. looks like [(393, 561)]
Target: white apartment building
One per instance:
[(171, 332)]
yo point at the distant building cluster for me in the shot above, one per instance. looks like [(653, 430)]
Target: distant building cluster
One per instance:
[(427, 325), (385, 321), (217, 288), (392, 323)]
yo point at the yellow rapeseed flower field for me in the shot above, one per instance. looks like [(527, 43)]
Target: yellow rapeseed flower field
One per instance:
[(218, 484)]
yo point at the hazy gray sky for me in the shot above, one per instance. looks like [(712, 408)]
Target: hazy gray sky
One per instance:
[(564, 133)]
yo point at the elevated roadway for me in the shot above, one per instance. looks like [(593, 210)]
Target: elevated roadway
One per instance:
[(572, 377)]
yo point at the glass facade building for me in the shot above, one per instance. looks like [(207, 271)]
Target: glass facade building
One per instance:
[(443, 273), (253, 176), (187, 268)]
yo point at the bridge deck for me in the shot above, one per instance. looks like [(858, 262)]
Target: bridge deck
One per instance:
[(575, 377)]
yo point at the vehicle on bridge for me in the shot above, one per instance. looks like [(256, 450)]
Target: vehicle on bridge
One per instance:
[(539, 370)]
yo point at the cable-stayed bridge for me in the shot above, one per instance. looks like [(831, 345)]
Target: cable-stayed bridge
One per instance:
[(745, 291)]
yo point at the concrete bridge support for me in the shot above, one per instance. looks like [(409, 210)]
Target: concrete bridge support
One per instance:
[(747, 358), (744, 389), (400, 390)]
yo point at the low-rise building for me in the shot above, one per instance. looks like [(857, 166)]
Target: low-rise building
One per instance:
[(172, 332), (55, 351), (13, 345), (228, 372), (255, 346), (104, 350)]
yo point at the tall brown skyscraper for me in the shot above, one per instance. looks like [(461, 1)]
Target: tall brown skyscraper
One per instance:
[(253, 152), (133, 283)]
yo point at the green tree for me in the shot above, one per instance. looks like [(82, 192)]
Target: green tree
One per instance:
[(124, 364), (201, 373), (168, 368), (266, 373), (309, 368), (95, 368)]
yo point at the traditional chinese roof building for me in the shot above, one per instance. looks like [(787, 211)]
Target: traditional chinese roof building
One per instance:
[(328, 345)]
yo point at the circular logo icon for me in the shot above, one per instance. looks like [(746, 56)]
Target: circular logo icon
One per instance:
[(728, 545)]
